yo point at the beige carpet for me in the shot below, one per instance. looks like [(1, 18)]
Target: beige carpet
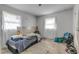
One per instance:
[(43, 47), (46, 47)]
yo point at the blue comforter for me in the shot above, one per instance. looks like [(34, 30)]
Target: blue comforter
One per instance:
[(21, 43)]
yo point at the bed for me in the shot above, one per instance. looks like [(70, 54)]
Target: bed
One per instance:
[(19, 44)]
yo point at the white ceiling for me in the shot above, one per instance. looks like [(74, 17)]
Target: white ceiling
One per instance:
[(42, 10)]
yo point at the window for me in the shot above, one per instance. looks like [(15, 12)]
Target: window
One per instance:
[(11, 21), (50, 23)]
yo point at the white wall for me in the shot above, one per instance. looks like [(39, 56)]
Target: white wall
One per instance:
[(64, 20), (27, 19)]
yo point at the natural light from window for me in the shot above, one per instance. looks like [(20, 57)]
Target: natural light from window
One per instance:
[(50, 23), (11, 21)]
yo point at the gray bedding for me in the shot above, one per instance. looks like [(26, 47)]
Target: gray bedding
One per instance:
[(21, 43)]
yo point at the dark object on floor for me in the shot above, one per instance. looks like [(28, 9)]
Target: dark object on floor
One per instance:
[(68, 38)]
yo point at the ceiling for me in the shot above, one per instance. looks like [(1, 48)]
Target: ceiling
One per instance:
[(44, 9)]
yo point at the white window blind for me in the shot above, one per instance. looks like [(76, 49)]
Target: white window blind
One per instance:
[(50, 23), (11, 21)]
